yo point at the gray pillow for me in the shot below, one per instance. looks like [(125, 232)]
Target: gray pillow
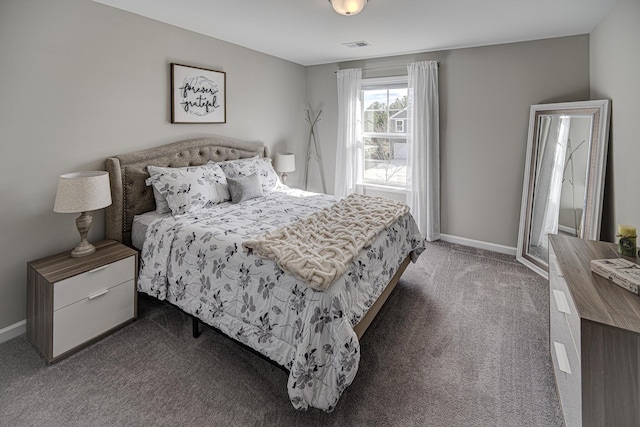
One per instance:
[(244, 188)]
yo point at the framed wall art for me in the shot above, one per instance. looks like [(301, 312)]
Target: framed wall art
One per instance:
[(198, 95)]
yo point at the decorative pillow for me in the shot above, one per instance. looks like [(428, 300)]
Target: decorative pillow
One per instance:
[(268, 176), (245, 188), (161, 203), (258, 165), (237, 168), (212, 170), (190, 189)]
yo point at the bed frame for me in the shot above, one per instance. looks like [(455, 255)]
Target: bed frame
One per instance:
[(131, 196)]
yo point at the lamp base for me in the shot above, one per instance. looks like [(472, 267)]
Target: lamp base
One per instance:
[(84, 248), (284, 178)]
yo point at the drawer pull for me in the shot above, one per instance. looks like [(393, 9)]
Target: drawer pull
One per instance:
[(95, 270), (99, 294), (561, 302), (563, 360)]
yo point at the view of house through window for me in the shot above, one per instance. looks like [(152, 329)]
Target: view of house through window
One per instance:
[(384, 126)]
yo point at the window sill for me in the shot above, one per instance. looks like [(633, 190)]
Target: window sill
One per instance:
[(385, 188)]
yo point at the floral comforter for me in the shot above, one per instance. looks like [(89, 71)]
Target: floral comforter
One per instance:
[(197, 262)]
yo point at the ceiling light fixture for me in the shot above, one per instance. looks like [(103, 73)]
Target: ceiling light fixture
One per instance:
[(348, 7)]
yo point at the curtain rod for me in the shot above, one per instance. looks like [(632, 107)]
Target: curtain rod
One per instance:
[(383, 68)]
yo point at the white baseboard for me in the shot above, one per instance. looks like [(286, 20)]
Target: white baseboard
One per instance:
[(566, 229), (478, 244), (13, 331)]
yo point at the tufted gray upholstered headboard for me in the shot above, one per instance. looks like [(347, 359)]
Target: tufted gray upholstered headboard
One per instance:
[(127, 173)]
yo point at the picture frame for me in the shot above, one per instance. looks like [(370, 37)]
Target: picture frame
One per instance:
[(198, 95)]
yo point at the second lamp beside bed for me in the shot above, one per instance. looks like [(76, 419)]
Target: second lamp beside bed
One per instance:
[(285, 163)]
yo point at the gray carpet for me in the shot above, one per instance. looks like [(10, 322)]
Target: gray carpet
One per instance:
[(462, 341)]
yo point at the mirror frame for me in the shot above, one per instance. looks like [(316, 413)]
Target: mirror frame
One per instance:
[(594, 188)]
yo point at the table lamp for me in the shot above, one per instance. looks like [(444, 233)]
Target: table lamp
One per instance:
[(81, 192), (284, 163)]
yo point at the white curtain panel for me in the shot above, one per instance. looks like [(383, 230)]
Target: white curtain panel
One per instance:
[(423, 169), (349, 156)]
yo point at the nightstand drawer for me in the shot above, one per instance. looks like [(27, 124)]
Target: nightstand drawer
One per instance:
[(86, 319), (83, 285)]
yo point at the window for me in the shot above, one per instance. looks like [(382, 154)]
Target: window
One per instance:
[(384, 115)]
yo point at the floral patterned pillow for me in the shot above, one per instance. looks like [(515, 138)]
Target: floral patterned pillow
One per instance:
[(258, 165), (190, 189)]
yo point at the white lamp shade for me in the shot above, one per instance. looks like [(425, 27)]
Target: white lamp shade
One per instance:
[(348, 7), (82, 192), (285, 162)]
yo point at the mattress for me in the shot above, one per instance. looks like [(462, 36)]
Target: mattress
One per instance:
[(139, 227)]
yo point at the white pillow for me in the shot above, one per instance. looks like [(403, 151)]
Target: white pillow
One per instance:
[(190, 189), (258, 165), (162, 207)]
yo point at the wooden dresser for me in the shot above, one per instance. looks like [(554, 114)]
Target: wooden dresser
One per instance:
[(594, 337)]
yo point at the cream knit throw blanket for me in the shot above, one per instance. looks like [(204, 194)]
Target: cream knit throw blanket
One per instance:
[(318, 249)]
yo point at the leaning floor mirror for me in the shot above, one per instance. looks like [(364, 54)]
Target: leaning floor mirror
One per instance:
[(564, 177)]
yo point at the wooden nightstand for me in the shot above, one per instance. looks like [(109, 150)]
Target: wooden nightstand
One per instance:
[(73, 302)]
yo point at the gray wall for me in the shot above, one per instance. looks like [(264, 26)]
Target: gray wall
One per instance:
[(485, 95), (615, 61), (80, 81)]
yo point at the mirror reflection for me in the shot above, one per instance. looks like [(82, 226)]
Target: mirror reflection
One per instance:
[(564, 176), (561, 179)]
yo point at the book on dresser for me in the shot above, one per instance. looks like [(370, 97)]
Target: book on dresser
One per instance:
[(620, 271)]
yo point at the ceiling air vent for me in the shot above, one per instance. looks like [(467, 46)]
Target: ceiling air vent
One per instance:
[(361, 43)]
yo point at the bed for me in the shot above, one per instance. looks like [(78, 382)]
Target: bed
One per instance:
[(196, 261)]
